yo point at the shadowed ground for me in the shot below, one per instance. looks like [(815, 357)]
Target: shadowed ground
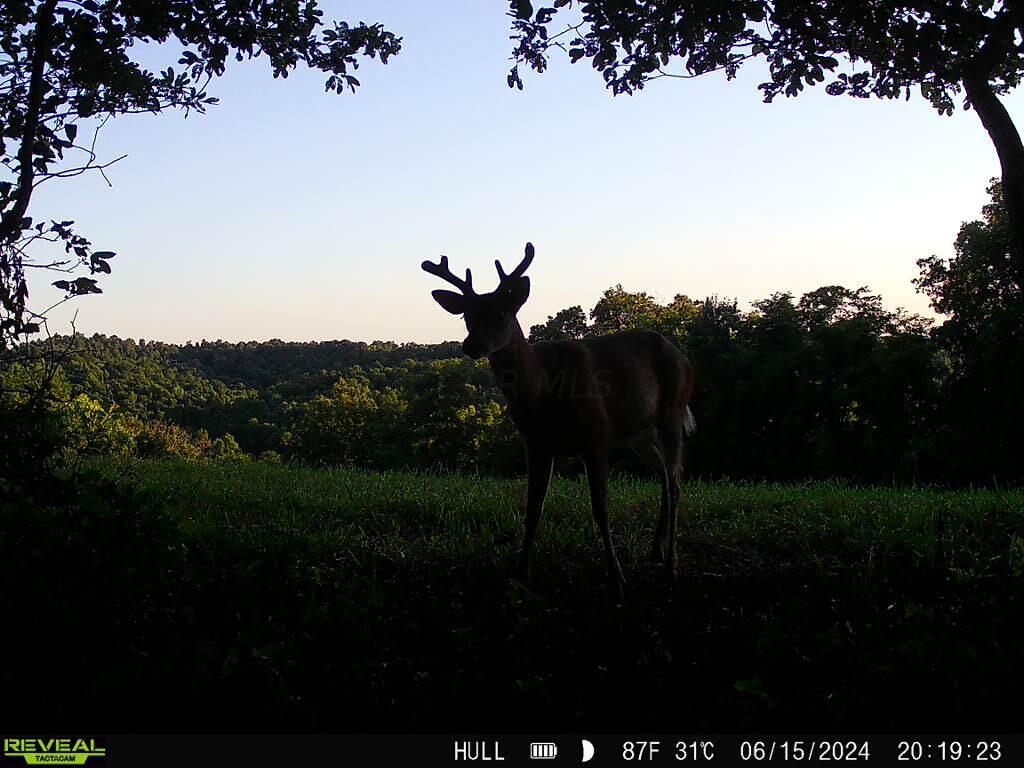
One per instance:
[(219, 597)]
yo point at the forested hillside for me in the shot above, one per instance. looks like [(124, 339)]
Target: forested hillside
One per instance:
[(830, 384)]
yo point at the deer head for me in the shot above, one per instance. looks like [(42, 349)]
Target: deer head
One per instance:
[(490, 317)]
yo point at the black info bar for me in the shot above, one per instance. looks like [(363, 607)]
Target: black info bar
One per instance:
[(155, 751)]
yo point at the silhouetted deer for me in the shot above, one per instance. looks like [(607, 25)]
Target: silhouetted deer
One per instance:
[(580, 398)]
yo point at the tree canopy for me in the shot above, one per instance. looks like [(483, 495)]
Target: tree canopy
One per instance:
[(66, 64), (942, 49)]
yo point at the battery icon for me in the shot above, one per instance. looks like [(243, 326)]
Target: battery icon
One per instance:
[(543, 750)]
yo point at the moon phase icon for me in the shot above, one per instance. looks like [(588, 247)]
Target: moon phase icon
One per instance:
[(588, 751)]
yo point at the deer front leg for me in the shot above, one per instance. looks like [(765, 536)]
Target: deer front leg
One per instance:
[(539, 465), (597, 478)]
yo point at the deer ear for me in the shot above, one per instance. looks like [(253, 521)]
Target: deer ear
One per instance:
[(450, 301), (519, 290)]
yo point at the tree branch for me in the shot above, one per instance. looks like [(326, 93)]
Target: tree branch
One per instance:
[(10, 225), (998, 41)]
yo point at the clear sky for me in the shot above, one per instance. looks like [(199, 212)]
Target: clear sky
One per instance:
[(290, 213)]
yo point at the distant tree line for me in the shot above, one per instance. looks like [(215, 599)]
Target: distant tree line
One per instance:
[(828, 384)]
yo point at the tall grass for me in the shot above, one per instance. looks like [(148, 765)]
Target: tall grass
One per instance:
[(249, 596), (420, 514)]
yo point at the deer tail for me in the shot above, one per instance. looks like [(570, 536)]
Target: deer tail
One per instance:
[(689, 423)]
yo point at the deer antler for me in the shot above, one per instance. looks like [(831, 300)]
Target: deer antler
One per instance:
[(441, 270), (518, 271)]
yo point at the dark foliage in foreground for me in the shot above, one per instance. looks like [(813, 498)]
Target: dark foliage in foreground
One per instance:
[(255, 597)]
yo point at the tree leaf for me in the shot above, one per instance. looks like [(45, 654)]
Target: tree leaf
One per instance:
[(85, 285)]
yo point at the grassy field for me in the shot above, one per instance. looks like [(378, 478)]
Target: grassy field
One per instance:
[(252, 596)]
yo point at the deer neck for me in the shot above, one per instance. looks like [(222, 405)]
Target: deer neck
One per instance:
[(517, 368)]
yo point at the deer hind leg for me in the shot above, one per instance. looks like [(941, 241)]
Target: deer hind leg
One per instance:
[(539, 466), (671, 435), (649, 451), (597, 478)]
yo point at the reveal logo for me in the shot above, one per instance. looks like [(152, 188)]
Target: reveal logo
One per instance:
[(53, 751)]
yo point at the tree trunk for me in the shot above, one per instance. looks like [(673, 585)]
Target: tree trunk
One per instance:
[(10, 225), (1008, 146)]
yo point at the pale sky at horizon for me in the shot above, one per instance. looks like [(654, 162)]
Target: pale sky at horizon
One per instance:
[(290, 213)]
